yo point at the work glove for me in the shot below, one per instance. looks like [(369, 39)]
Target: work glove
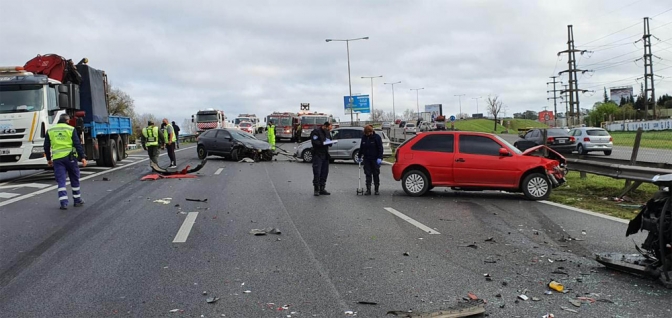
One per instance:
[(379, 161)]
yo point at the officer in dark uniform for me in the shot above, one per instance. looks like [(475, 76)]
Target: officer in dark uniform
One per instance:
[(371, 154), (318, 137)]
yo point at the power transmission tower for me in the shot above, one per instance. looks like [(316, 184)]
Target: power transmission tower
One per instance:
[(554, 98), (574, 110), (648, 72)]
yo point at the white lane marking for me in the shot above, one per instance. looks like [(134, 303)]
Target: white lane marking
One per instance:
[(571, 208), (45, 190), (25, 185), (87, 172), (412, 221), (7, 195), (184, 230), (97, 168), (219, 171)]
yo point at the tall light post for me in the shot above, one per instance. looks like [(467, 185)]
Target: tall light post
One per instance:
[(417, 103), (372, 77), (394, 113), (347, 45), (459, 98), (477, 98)]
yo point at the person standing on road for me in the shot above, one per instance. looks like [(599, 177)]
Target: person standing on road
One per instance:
[(321, 157), (270, 134), (170, 138), (177, 135), (150, 141), (371, 154), (63, 149)]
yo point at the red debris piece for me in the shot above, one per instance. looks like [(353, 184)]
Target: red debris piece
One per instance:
[(472, 296)]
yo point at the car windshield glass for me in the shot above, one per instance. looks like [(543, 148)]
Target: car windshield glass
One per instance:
[(21, 98), (240, 120), (204, 118), (410, 125), (312, 120), (245, 124), (510, 146), (556, 133), (597, 132), (240, 135)]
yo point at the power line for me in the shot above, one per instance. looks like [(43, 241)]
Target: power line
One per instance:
[(610, 34), (609, 59), (668, 10)]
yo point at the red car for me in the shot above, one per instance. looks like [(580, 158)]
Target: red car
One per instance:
[(476, 161), (246, 127)]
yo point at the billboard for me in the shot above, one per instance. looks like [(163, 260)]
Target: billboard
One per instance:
[(616, 93), (360, 104), (546, 116), (435, 110)]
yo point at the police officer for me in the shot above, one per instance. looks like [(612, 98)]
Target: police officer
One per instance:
[(169, 135), (150, 141), (63, 149), (270, 134), (371, 149), (318, 137)]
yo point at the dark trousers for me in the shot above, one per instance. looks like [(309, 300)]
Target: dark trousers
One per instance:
[(64, 168), (320, 169), (153, 152), (371, 169), (171, 153)]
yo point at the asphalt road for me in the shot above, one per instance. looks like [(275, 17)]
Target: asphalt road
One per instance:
[(118, 255), (619, 152)]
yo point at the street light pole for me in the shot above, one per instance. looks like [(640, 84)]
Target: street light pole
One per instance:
[(417, 103), (459, 98), (372, 113), (394, 113), (477, 98), (347, 45)]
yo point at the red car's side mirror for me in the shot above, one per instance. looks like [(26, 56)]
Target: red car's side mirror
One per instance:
[(504, 152)]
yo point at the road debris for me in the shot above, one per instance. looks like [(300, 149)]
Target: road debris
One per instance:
[(472, 296), (559, 272), (212, 300), (568, 309), (536, 299), (367, 303), (106, 179), (350, 313), (548, 292), (197, 200), (591, 300), (176, 310), (462, 309), (523, 297), (575, 302), (163, 201), (487, 277), (247, 291), (556, 286), (474, 246), (248, 160), (548, 316), (490, 239), (407, 254), (268, 230)]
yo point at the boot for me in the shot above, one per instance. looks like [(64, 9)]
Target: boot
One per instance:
[(317, 191), (323, 191), (368, 190), (377, 186)]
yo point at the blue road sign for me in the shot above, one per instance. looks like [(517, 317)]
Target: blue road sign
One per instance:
[(360, 104), (452, 117)]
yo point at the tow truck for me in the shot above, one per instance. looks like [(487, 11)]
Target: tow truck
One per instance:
[(34, 96), (286, 125), (208, 119)]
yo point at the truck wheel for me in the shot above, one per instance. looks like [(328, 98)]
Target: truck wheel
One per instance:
[(536, 187), (113, 153), (121, 149)]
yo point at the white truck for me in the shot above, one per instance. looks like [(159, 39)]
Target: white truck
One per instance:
[(32, 98), (252, 118), (208, 119)]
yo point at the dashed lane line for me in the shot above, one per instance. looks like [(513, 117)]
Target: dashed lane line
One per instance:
[(219, 171), (54, 187), (412, 221), (185, 229), (8, 195)]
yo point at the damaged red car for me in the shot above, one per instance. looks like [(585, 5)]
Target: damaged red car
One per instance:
[(472, 161)]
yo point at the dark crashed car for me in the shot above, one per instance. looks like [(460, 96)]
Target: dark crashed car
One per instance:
[(232, 144), (557, 139)]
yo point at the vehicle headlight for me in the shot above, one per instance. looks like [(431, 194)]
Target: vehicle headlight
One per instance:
[(38, 150)]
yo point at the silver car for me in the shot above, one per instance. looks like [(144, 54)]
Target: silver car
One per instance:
[(590, 139), (349, 140)]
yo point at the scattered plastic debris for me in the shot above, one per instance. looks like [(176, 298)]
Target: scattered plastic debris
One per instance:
[(556, 286), (487, 277), (350, 313), (474, 246), (472, 296), (268, 230), (591, 300), (536, 299), (407, 254), (106, 179), (549, 316), (574, 302), (367, 303), (559, 272), (163, 201), (523, 297), (212, 300), (548, 292), (175, 310), (205, 292), (197, 200), (248, 160), (568, 309), (490, 239)]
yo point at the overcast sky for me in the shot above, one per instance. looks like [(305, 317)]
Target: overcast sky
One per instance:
[(176, 57)]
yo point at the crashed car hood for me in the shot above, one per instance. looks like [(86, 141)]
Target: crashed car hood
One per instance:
[(552, 154), (255, 144)]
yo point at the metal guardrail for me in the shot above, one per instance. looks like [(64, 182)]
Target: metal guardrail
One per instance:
[(616, 171)]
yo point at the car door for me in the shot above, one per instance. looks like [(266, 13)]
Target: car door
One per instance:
[(478, 163), (224, 142), (436, 153), (336, 134), (206, 140), (350, 141)]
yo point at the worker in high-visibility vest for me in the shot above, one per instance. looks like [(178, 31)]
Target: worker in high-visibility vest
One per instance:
[(270, 134), (150, 141), (63, 150), (170, 138)]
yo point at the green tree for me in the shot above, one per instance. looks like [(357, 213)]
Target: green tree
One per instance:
[(603, 112), (121, 104), (606, 97)]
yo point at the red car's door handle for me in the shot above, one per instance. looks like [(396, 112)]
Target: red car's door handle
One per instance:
[(459, 160)]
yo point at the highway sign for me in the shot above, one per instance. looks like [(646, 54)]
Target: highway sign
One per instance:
[(360, 104), (452, 117)]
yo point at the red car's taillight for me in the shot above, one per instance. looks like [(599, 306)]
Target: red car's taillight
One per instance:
[(611, 139), (586, 139)]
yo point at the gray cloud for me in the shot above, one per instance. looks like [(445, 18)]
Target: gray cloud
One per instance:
[(174, 57)]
